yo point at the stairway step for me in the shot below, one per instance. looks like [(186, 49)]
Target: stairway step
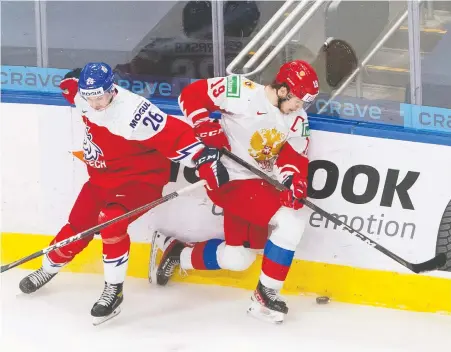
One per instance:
[(386, 75), (429, 38)]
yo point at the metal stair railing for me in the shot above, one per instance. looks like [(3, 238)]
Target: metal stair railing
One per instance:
[(294, 30), (365, 61), (274, 36)]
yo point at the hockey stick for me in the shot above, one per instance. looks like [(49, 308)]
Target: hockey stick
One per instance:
[(432, 264), (100, 227)]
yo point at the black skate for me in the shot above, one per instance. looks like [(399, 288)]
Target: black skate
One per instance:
[(170, 260), (108, 305), (35, 281), (268, 305)]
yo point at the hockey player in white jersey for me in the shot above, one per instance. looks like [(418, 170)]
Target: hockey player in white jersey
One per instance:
[(267, 126)]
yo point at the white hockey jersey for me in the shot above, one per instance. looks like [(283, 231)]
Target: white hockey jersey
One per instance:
[(257, 131)]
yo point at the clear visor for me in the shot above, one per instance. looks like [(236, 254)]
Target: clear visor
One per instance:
[(99, 102), (306, 105), (308, 99)]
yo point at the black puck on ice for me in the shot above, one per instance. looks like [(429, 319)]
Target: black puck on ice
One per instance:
[(322, 300)]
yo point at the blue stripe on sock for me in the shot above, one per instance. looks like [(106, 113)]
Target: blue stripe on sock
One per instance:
[(277, 254), (210, 259)]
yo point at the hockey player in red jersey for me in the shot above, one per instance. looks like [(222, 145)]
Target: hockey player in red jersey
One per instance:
[(267, 126), (128, 147)]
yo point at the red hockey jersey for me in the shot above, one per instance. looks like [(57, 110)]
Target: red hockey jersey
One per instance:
[(132, 139)]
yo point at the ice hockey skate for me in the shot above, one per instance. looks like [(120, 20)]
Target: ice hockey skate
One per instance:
[(160, 273), (108, 305), (267, 305), (35, 281)]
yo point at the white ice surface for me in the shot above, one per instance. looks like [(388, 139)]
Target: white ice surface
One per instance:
[(183, 317)]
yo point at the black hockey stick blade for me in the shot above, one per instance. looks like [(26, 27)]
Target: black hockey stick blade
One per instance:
[(429, 265), (432, 264), (336, 61), (341, 61), (98, 228)]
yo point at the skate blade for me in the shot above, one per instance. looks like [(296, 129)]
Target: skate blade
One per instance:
[(265, 314), (153, 258), (100, 320), (158, 243)]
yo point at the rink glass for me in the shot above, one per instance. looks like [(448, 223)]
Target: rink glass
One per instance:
[(157, 47)]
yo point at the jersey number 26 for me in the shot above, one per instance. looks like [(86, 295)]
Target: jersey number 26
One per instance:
[(154, 119)]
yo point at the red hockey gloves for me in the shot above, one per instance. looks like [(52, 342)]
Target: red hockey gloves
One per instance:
[(212, 135), (297, 190), (210, 168), (69, 84)]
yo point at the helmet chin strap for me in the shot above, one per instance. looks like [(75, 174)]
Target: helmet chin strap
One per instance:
[(113, 95)]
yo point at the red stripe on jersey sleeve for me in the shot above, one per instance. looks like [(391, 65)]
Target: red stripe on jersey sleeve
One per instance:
[(195, 102)]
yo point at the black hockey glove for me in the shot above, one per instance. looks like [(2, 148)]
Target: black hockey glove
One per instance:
[(210, 168)]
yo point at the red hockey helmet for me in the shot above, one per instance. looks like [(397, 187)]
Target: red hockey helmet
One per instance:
[(301, 78)]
